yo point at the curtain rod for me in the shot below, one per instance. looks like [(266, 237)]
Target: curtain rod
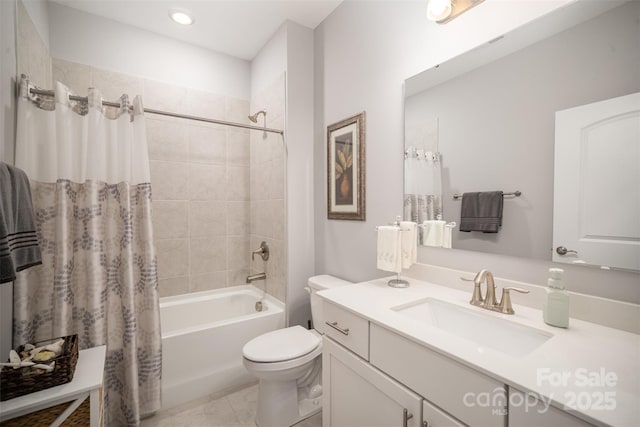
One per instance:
[(163, 113)]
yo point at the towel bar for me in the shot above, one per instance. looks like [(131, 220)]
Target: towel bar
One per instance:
[(516, 193)]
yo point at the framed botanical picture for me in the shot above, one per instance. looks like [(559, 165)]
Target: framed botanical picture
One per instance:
[(346, 169)]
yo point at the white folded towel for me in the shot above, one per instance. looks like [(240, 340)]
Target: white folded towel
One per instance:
[(409, 243), (447, 235), (433, 233), (389, 249)]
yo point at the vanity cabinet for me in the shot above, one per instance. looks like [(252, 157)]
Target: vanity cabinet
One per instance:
[(372, 374), (452, 386), (525, 412), (358, 395)]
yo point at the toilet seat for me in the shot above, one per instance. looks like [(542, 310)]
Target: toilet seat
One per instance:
[(284, 365), (281, 345), (282, 349)]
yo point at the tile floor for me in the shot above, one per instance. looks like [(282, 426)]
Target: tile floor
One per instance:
[(237, 409)]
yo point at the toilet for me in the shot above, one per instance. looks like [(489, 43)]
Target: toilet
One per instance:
[(288, 363)]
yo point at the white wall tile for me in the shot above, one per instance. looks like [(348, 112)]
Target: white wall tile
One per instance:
[(207, 182), (258, 182), (173, 286), (237, 183), (275, 179), (238, 252), (112, 85), (32, 54), (238, 218), (205, 104), (207, 144), (207, 281), (165, 97), (166, 140), (170, 219), (169, 180), (76, 77), (239, 278), (208, 218), (237, 110), (173, 257), (238, 147), (277, 218), (208, 255)]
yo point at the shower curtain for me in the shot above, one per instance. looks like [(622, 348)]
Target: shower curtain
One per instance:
[(90, 183), (423, 185)]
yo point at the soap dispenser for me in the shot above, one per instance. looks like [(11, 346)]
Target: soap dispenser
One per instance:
[(556, 305)]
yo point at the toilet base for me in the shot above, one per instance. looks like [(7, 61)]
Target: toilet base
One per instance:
[(278, 404)]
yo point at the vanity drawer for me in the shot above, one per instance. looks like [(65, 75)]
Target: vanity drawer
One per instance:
[(347, 329), (456, 388)]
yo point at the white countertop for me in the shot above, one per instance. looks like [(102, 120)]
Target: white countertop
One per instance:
[(584, 353)]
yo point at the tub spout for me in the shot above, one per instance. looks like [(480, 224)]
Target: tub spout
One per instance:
[(254, 277)]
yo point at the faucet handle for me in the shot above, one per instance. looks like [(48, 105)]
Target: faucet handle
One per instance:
[(505, 301), (511, 288), (476, 297), (263, 251)]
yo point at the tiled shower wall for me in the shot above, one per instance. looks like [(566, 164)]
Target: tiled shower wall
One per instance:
[(199, 174), (267, 188), (206, 218), (32, 54)]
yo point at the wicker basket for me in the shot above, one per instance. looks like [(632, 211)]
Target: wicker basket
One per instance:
[(18, 382), (45, 417)]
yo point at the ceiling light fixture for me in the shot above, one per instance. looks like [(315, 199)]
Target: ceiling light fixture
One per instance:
[(443, 11), (181, 16)]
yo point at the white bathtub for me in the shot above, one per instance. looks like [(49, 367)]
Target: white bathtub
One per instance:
[(202, 338)]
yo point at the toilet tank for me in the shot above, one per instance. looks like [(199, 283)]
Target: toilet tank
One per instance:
[(319, 283)]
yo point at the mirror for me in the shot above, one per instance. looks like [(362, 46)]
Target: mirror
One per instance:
[(489, 115)]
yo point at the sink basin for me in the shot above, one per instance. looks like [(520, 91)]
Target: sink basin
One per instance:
[(486, 330)]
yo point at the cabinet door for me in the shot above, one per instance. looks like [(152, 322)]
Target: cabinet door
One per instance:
[(355, 394), (523, 412), (432, 416)]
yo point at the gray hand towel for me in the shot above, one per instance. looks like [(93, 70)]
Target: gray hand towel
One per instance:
[(18, 240), (481, 211)]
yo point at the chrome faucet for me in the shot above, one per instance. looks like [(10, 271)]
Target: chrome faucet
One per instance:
[(254, 277), (489, 301)]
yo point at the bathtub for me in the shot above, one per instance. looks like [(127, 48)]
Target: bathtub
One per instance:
[(202, 338)]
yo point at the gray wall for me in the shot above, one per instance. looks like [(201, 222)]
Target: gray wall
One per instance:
[(497, 123), (363, 53)]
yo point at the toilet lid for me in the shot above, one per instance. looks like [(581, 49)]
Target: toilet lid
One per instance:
[(280, 345)]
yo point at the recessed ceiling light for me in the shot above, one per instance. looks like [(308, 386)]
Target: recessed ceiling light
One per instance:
[(181, 16)]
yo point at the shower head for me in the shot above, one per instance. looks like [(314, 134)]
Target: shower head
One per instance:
[(254, 117)]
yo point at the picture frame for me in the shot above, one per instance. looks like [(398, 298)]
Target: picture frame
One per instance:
[(346, 189)]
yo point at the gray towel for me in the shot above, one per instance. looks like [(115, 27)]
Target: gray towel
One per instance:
[(481, 211), (18, 240)]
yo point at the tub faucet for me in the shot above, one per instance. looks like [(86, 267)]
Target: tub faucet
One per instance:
[(254, 277)]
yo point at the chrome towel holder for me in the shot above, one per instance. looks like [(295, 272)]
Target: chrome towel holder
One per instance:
[(516, 193)]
